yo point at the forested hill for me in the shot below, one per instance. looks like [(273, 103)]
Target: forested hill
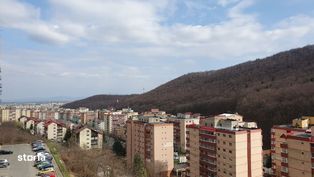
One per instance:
[(269, 91)]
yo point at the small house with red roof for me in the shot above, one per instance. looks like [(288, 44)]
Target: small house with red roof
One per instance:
[(55, 130), (88, 137)]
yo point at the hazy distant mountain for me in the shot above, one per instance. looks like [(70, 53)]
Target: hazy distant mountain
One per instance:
[(269, 91)]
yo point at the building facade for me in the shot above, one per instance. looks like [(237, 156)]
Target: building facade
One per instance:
[(292, 148), (228, 147), (153, 142)]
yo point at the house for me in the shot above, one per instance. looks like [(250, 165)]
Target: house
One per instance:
[(40, 128), (22, 120), (89, 138), (30, 123), (55, 130)]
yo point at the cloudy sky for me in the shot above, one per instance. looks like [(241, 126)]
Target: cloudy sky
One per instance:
[(78, 48)]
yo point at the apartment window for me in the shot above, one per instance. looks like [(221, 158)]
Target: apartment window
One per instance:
[(224, 150), (224, 142), (302, 153), (230, 151), (230, 144), (218, 134), (230, 136), (224, 135)]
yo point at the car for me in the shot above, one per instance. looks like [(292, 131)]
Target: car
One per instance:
[(51, 174), (42, 153), (40, 163), (4, 163), (39, 148), (46, 171), (5, 152), (37, 144), (44, 167)]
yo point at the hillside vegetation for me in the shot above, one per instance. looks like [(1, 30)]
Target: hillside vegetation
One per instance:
[(269, 91)]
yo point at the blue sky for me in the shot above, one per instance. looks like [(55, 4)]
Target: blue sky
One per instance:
[(78, 48)]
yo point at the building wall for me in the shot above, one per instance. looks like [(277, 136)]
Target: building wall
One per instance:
[(162, 147), (5, 115), (299, 158), (279, 149), (52, 131), (193, 152), (85, 138), (183, 124), (153, 143)]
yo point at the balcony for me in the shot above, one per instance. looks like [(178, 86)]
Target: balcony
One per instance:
[(211, 162), (208, 147)]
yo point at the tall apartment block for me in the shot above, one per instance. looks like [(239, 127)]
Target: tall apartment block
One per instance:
[(225, 147), (152, 140), (180, 122), (292, 148)]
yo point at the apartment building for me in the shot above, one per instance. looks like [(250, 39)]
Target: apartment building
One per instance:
[(7, 115), (55, 130), (292, 148), (179, 124), (152, 140), (228, 147), (89, 138), (88, 117)]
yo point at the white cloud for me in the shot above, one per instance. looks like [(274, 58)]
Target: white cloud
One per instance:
[(22, 16), (131, 41), (226, 2)]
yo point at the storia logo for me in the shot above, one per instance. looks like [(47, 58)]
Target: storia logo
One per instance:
[(31, 158)]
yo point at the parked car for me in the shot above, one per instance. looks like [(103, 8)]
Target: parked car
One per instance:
[(37, 141), (5, 152), (50, 174), (42, 163), (4, 163), (46, 171), (44, 167), (37, 145), (39, 148)]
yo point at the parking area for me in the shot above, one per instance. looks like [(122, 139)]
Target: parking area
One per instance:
[(18, 168)]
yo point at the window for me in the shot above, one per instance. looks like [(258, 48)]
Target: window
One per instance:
[(230, 144), (230, 136), (230, 151)]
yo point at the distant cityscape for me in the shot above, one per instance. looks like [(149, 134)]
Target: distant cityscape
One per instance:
[(185, 144)]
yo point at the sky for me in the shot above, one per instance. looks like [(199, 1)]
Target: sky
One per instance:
[(77, 48)]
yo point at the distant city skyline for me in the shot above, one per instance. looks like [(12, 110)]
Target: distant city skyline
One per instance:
[(79, 48)]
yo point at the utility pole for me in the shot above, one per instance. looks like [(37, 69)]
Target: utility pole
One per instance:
[(0, 68)]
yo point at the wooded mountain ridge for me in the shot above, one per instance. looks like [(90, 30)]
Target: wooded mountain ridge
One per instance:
[(270, 91)]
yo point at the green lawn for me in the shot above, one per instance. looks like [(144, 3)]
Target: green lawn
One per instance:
[(56, 155)]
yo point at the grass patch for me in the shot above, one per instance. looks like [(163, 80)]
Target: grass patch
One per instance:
[(54, 151)]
